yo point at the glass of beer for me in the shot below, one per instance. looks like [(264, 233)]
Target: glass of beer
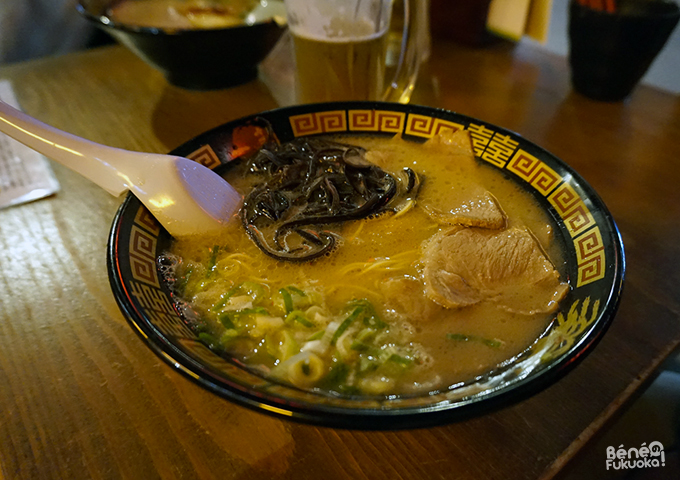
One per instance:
[(341, 48)]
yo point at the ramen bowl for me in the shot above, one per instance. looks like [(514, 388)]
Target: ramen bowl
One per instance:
[(197, 59), (593, 265)]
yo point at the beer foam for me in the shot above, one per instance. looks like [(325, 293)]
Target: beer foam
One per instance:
[(338, 29)]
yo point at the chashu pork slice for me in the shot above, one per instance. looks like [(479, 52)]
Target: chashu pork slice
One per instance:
[(458, 197), (479, 209), (408, 295), (464, 266)]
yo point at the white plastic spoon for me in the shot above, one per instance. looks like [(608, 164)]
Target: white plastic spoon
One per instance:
[(184, 196)]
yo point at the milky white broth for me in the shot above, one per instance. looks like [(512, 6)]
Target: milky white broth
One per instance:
[(384, 248), (181, 14)]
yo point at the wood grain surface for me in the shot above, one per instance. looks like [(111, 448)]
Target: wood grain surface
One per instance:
[(83, 397)]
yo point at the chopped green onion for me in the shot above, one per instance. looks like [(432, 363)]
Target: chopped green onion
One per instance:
[(359, 346), (227, 336), (346, 323), (337, 381), (225, 320), (366, 335), (493, 343), (214, 251), (371, 318), (362, 347), (252, 311), (296, 291), (298, 316), (316, 336), (403, 361), (375, 322), (271, 346), (345, 389), (208, 339), (289, 346), (287, 300), (368, 364), (225, 298), (184, 280), (255, 290), (336, 377)]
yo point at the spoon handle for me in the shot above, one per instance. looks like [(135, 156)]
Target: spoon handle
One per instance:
[(103, 165)]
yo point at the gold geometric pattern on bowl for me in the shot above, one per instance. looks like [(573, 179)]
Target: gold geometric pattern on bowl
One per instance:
[(428, 127), (319, 122), (206, 156), (376, 121)]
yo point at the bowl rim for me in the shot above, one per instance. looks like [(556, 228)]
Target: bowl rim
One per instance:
[(377, 417), (104, 21)]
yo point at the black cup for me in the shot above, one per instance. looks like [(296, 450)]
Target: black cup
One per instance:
[(610, 52)]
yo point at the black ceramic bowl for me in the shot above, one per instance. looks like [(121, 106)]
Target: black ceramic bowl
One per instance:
[(594, 268), (192, 59)]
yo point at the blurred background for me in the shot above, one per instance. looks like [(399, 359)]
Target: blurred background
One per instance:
[(37, 28), (662, 74)]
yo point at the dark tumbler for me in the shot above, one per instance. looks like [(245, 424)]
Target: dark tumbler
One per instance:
[(610, 52)]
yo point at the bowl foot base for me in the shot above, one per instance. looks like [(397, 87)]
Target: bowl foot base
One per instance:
[(212, 81)]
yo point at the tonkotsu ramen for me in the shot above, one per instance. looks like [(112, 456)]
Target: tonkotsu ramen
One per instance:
[(373, 266)]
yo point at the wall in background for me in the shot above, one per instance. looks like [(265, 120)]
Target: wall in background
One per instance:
[(664, 73)]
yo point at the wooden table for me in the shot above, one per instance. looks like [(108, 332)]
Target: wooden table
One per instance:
[(83, 397)]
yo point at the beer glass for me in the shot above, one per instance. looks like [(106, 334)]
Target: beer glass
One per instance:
[(341, 48)]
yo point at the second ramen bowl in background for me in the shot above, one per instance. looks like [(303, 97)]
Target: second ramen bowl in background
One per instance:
[(195, 58)]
